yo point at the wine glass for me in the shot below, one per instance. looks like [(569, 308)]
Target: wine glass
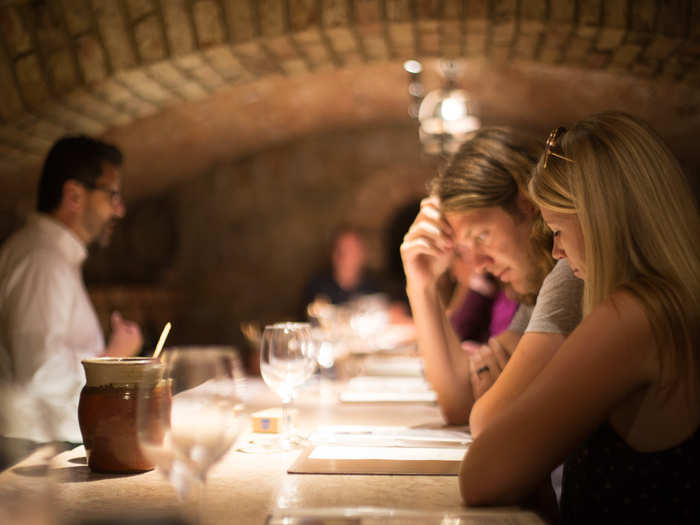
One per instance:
[(29, 495), (287, 361), (191, 417)]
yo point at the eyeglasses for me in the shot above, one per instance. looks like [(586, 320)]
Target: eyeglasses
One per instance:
[(115, 196), (549, 145)]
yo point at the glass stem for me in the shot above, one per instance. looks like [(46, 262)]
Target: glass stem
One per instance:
[(287, 422), (195, 500), (200, 502)]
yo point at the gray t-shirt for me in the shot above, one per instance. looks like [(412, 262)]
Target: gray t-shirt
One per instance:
[(557, 309)]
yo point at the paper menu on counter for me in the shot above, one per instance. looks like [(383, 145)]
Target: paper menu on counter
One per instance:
[(387, 453), (393, 366), (378, 460), (349, 449), (379, 389), (396, 336), (389, 436), (388, 397)]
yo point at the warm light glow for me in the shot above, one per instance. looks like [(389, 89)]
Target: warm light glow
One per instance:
[(445, 119), (413, 66), (453, 108), (325, 354)]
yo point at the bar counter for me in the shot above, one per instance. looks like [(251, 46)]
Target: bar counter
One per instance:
[(248, 488)]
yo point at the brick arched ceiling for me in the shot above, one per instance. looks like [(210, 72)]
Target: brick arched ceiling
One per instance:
[(181, 84)]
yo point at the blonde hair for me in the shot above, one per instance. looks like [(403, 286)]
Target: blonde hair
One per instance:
[(491, 169), (639, 220)]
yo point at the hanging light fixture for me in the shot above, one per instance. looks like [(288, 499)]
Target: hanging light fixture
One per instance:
[(445, 115), (415, 85)]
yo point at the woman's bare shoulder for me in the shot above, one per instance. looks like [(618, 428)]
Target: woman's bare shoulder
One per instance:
[(620, 323), (626, 310)]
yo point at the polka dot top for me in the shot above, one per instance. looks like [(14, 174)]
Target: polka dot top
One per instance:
[(606, 481)]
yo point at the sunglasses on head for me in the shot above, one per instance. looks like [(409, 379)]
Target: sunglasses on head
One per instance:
[(551, 143)]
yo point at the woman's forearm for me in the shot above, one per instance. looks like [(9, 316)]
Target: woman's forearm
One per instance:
[(531, 355)]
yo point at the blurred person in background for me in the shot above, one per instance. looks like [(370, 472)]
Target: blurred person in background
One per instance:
[(478, 307), (619, 403), (347, 276), (47, 321)]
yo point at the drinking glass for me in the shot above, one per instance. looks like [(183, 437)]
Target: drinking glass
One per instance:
[(187, 431), (287, 361), (28, 488)]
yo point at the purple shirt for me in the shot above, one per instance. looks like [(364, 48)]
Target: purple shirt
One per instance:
[(480, 317), (502, 311)]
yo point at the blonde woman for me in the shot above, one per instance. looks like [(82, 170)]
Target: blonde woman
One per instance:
[(620, 400)]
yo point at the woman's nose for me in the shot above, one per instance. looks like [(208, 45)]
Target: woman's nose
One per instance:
[(557, 251)]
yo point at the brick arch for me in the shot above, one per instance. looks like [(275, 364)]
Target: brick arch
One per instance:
[(100, 65)]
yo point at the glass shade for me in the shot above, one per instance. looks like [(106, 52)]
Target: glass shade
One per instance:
[(445, 117)]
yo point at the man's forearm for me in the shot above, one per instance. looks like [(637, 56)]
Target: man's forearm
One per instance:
[(533, 352), (508, 340), (446, 364)]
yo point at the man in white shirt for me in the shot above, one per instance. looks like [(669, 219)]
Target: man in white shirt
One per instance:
[(47, 322)]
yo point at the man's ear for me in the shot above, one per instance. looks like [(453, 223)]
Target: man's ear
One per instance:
[(73, 195), (526, 207)]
